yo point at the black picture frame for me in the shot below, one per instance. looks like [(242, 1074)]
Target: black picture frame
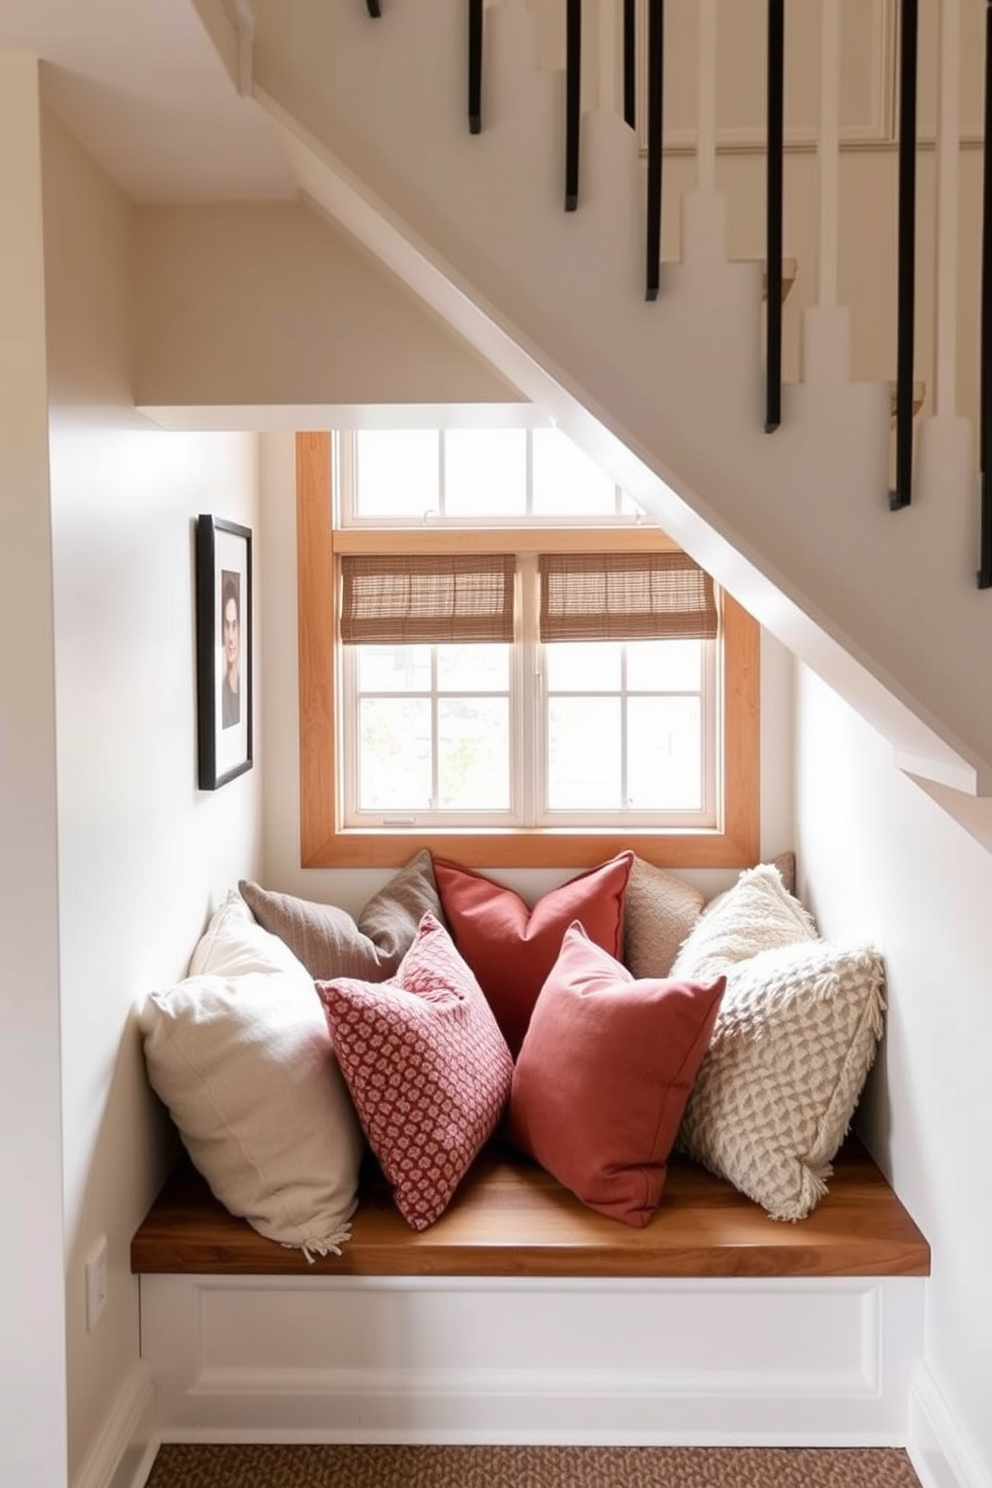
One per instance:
[(223, 604)]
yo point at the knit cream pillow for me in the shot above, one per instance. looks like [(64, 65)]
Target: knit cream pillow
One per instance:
[(757, 914), (794, 1040)]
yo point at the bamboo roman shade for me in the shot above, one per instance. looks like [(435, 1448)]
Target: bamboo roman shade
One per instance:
[(426, 598), (625, 597)]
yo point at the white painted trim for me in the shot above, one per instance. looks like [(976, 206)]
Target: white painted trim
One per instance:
[(243, 20), (123, 1452), (771, 1361), (941, 1454)]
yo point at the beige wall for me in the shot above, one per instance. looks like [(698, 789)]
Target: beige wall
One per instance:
[(32, 1352), (881, 862), (268, 304), (142, 854)]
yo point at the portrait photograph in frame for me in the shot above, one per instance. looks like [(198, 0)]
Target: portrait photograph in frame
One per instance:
[(223, 651)]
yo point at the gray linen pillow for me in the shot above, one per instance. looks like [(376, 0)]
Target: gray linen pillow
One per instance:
[(330, 942)]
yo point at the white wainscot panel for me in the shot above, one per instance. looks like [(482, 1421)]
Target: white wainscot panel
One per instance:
[(773, 1361)]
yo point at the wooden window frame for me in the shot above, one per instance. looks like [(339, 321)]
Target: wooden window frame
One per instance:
[(324, 843)]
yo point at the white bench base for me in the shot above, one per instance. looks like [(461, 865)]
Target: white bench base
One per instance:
[(772, 1361)]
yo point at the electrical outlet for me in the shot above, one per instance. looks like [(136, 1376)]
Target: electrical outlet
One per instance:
[(96, 1282)]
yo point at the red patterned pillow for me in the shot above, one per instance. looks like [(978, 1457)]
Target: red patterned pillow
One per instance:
[(512, 948), (427, 1068), (604, 1075)]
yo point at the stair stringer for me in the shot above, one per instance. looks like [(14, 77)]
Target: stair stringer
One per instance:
[(666, 396)]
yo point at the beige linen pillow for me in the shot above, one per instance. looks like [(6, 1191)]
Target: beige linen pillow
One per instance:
[(659, 911), (241, 1057), (233, 943), (328, 940), (794, 1040), (756, 915)]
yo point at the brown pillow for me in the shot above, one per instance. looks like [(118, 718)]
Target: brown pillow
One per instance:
[(659, 911), (329, 941), (786, 865)]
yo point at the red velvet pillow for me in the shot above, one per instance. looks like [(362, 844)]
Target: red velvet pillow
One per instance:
[(604, 1074), (426, 1066), (512, 948)]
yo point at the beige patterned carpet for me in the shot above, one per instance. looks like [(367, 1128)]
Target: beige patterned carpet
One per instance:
[(185, 1466)]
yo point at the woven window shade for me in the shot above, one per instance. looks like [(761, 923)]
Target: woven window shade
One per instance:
[(625, 597), (429, 598)]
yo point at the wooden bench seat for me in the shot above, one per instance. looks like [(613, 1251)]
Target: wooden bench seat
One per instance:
[(512, 1219)]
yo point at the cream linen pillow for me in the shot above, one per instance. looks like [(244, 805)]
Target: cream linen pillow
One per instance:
[(794, 1040), (756, 915), (234, 943), (240, 1055)]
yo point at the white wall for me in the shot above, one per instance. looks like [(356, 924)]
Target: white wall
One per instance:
[(271, 304), (879, 860), (32, 1332), (351, 889), (142, 854)]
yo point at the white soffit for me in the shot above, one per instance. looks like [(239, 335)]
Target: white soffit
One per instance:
[(142, 88)]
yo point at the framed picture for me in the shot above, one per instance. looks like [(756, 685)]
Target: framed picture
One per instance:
[(223, 650)]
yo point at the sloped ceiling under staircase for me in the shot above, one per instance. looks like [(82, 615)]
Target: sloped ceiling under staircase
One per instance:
[(159, 103)]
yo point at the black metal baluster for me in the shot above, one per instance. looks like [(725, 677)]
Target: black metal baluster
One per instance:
[(573, 95), (985, 422), (629, 64), (906, 292), (773, 202), (374, 8), (475, 66), (656, 89)]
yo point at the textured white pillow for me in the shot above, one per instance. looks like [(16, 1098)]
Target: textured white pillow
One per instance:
[(794, 1040), (756, 915), (242, 1058)]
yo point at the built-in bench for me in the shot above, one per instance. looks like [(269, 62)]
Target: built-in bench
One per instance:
[(522, 1315), (511, 1218)]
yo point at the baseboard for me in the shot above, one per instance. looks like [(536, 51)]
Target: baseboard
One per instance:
[(941, 1454), (125, 1448)]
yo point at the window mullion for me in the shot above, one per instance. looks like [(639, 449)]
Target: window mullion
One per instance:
[(442, 495), (528, 756), (624, 700), (435, 722)]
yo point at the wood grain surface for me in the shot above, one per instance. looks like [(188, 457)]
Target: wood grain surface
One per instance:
[(510, 1218)]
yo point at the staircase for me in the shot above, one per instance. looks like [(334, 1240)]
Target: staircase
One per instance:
[(667, 395)]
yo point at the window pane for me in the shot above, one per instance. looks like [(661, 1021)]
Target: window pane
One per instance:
[(485, 472), (394, 763), (474, 754), (397, 472), (586, 666), (394, 668), (583, 754), (566, 481), (473, 668), (665, 754), (664, 666)]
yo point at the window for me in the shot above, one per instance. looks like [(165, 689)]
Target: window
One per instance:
[(455, 665)]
